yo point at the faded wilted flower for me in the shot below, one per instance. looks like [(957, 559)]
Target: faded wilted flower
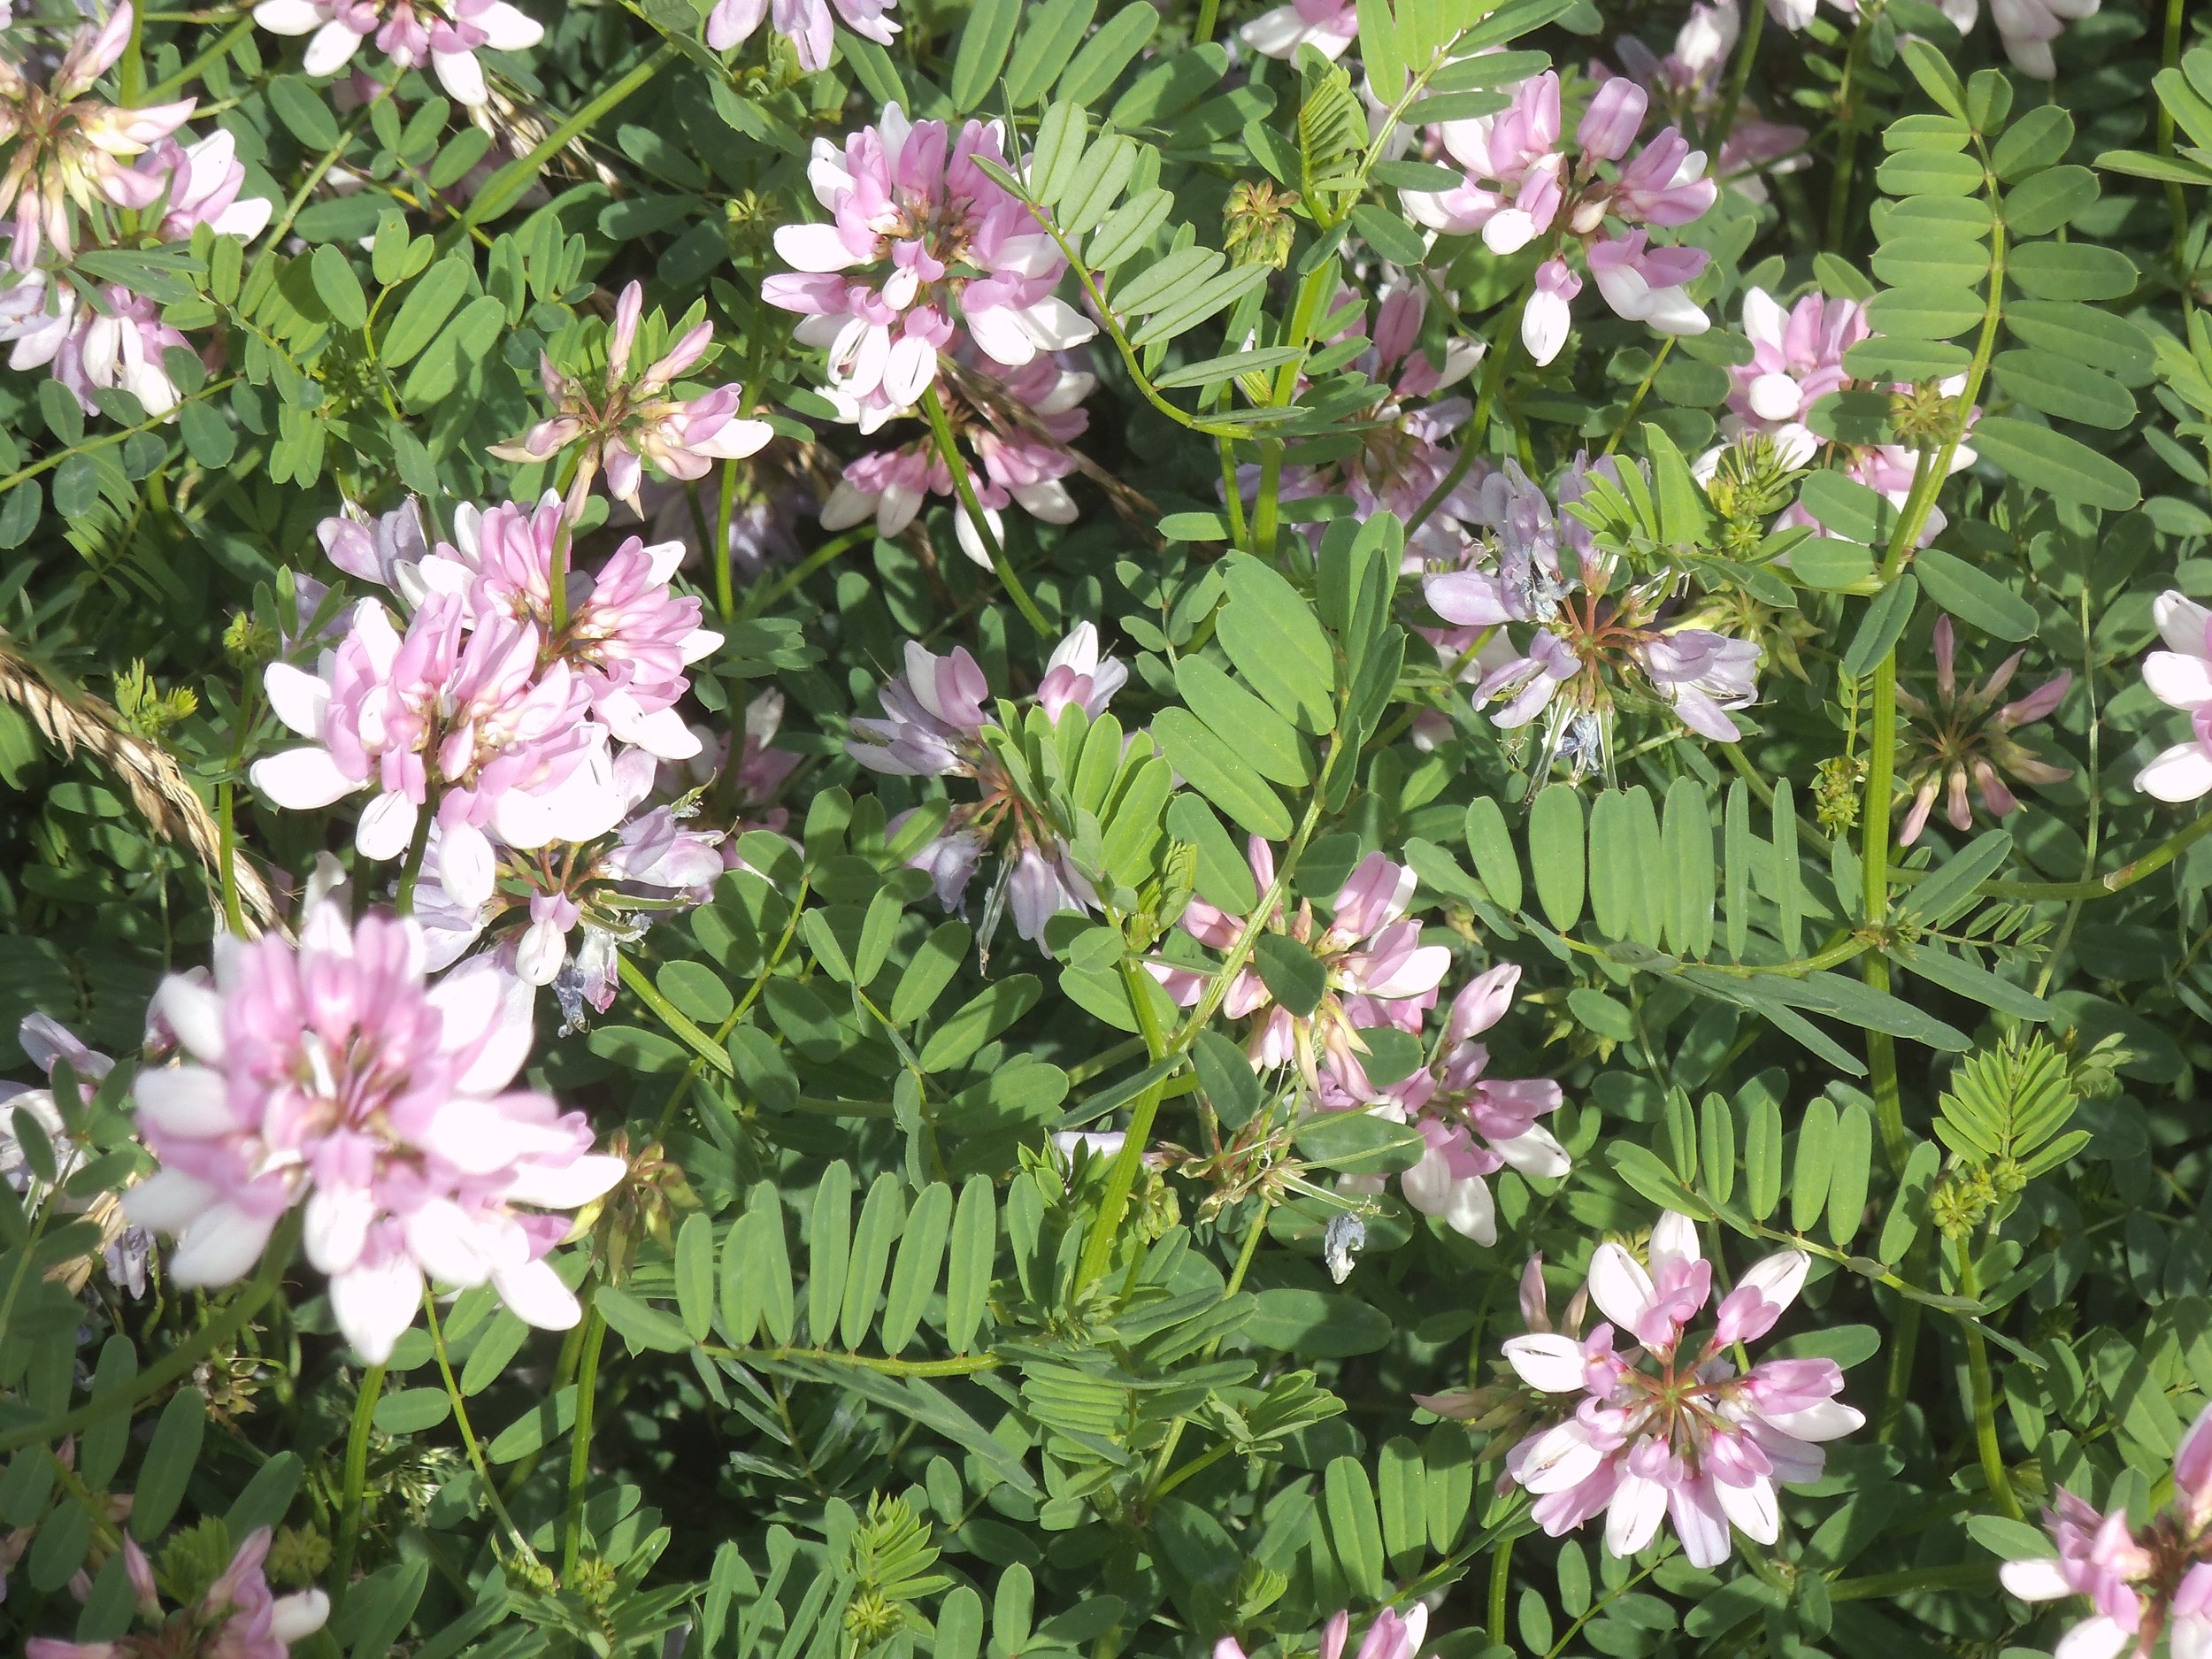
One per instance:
[(1965, 737)]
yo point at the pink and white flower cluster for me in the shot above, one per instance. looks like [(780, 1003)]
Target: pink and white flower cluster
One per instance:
[(1521, 185), (2026, 27), (634, 420), (806, 23), (474, 707), (444, 34), (1475, 1125), (64, 181), (328, 1074), (2140, 1585), (936, 723), (2180, 677), (1663, 1430), (1015, 463), (1377, 969), (1592, 643), (238, 1617), (1687, 84), (889, 284)]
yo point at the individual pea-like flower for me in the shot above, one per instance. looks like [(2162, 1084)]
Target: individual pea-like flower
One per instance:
[(1688, 85), (1663, 1431), (238, 1617), (1966, 736), (1328, 27), (806, 23), (329, 1074), (634, 419), (444, 33), (1018, 422), (2138, 1584), (922, 247), (1475, 1125), (2027, 27), (71, 150), (1375, 968), (628, 636), (935, 725), (2180, 677), (648, 868), (202, 184)]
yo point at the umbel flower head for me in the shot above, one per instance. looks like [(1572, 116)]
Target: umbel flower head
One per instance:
[(2139, 1584), (1665, 1431), (238, 1617), (632, 419), (935, 725), (1475, 1125), (70, 150), (1966, 736), (444, 33), (328, 1074), (922, 245)]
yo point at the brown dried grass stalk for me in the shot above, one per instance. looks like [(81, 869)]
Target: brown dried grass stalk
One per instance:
[(76, 721)]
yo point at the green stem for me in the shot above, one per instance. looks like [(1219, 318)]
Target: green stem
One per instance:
[(948, 451), (1982, 1394), (1121, 1177), (2170, 55), (725, 511), (505, 187), (1209, 10), (410, 872), (765, 596), (1847, 143), (162, 91), (179, 1361), (1643, 387), (1161, 1482), (357, 1475), (1478, 424), (580, 1441), (468, 1435), (1725, 118), (108, 439), (1501, 1581)]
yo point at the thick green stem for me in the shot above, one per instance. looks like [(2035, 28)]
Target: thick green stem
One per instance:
[(1121, 1176), (2169, 57), (357, 1474), (1983, 1396), (949, 452), (725, 512), (1501, 1581)]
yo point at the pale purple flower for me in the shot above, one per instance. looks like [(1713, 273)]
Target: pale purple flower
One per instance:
[(70, 150), (118, 343), (455, 717), (1391, 1636), (328, 1074), (1614, 117), (806, 23), (634, 419), (201, 185), (444, 34), (239, 1617), (933, 717), (1647, 284), (1375, 966), (1688, 81), (1550, 314), (1077, 675), (1664, 1432), (1703, 675), (1328, 27), (2180, 677), (1516, 150), (886, 285), (629, 636), (1474, 1125)]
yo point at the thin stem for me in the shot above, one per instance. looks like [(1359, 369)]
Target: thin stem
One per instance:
[(1982, 1394), (1725, 118), (410, 872), (763, 596), (357, 1475), (725, 511), (1161, 1482), (1493, 379), (468, 1435), (1121, 1177), (1848, 152), (1209, 10), (161, 91), (2170, 55), (948, 451), (580, 1439), (1643, 390), (505, 187)]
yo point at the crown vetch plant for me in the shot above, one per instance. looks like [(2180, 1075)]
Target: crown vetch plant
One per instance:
[(843, 830)]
